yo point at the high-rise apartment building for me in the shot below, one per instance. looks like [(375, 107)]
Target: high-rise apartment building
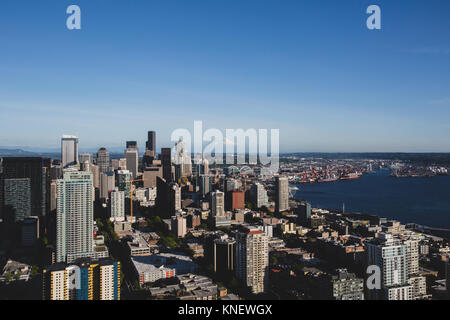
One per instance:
[(69, 150), (390, 255), (178, 225), (259, 195), (55, 283), (235, 200), (116, 205), (252, 258), (412, 256), (53, 195), (282, 195), (74, 215), (85, 279)]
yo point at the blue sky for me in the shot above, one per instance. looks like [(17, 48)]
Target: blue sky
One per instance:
[(309, 68)]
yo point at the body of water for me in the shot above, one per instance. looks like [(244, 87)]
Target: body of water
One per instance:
[(424, 201)]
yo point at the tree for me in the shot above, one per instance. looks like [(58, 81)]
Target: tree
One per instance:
[(273, 260)]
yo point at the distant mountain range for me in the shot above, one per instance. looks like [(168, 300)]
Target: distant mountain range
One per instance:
[(53, 153), (17, 153), (117, 152)]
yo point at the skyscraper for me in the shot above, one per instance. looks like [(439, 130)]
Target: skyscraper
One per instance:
[(259, 195), (390, 255), (117, 205), (166, 161), (132, 156), (123, 178), (178, 225), (282, 196), (32, 168), (168, 200), (103, 160), (304, 212), (69, 150), (17, 193), (182, 158), (123, 163), (107, 184), (205, 184), (74, 215), (89, 157), (114, 164), (131, 144), (412, 256), (218, 204), (252, 258), (151, 142), (205, 166), (90, 167), (151, 173), (223, 255), (30, 231), (235, 200), (150, 150)]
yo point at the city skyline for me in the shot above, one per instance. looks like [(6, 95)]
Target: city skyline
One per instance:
[(314, 72), (232, 153)]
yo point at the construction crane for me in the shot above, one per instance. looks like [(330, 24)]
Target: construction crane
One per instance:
[(131, 193)]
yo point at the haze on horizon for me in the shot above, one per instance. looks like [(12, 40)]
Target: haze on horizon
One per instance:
[(312, 70)]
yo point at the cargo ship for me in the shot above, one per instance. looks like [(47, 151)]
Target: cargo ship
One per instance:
[(349, 176), (329, 179)]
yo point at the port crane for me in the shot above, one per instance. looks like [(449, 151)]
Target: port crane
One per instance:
[(131, 193)]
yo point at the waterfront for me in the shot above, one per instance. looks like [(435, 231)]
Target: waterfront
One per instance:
[(424, 201)]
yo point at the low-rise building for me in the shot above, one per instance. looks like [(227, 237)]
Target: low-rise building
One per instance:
[(151, 268), (14, 271)]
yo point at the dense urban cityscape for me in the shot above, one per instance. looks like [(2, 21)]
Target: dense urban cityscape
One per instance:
[(172, 225), (224, 159)]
